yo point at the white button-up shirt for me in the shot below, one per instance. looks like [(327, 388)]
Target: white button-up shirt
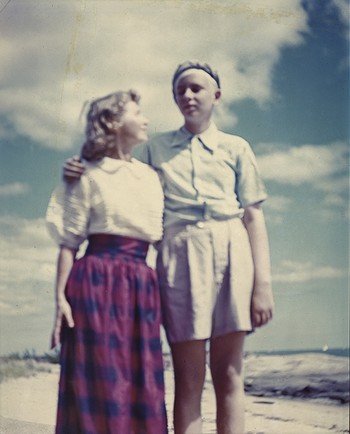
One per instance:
[(212, 175)]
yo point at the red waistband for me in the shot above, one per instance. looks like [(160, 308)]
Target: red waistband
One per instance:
[(116, 244)]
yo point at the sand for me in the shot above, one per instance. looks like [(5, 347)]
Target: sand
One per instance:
[(286, 395)]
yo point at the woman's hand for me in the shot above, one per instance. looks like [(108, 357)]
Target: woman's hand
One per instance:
[(63, 314), (73, 168)]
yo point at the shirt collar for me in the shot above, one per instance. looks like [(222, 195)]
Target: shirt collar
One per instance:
[(181, 137), (113, 165), (209, 137)]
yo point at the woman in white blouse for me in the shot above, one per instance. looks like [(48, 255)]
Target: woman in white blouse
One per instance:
[(107, 302)]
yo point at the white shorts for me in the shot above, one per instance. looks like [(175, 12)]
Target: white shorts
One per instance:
[(206, 277)]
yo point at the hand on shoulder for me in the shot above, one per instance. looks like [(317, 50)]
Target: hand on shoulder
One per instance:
[(73, 168)]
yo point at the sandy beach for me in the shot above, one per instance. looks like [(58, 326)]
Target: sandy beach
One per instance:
[(294, 394)]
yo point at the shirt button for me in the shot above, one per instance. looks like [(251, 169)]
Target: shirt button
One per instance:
[(200, 225)]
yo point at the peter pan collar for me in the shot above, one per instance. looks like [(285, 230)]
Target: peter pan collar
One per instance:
[(112, 165)]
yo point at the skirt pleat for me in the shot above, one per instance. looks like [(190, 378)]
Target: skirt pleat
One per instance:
[(111, 361)]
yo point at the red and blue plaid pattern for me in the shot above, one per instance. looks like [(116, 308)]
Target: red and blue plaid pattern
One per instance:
[(111, 362)]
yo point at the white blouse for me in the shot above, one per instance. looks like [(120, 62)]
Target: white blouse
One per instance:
[(114, 197)]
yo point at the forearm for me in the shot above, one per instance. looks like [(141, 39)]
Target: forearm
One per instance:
[(255, 224), (65, 262), (63, 310), (262, 304)]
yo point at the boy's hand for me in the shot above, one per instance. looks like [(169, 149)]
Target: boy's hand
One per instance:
[(262, 307), (73, 168)]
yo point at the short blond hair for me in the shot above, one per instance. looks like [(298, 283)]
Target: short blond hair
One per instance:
[(99, 137)]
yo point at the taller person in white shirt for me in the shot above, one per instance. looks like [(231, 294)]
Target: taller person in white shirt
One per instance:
[(213, 262), (107, 302)]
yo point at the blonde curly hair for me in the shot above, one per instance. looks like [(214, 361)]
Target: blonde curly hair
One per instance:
[(100, 138)]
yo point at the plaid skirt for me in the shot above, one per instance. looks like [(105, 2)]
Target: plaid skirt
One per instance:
[(112, 378)]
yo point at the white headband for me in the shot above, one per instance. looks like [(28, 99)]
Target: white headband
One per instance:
[(197, 71)]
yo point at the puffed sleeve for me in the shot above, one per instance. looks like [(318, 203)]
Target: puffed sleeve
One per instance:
[(67, 215), (250, 188)]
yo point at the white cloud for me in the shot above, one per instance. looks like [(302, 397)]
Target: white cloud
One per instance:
[(278, 203), (335, 200), (56, 55), (329, 215), (301, 272), (317, 165), (324, 168), (27, 266), (14, 189)]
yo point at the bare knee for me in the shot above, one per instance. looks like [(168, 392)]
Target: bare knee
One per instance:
[(226, 363), (189, 367), (189, 381), (227, 379)]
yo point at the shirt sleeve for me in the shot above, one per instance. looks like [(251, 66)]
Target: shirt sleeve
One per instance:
[(142, 153), (67, 216), (250, 188)]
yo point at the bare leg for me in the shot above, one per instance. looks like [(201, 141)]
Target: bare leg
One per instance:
[(189, 371), (226, 360)]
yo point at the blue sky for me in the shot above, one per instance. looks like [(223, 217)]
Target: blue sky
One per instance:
[(285, 80)]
